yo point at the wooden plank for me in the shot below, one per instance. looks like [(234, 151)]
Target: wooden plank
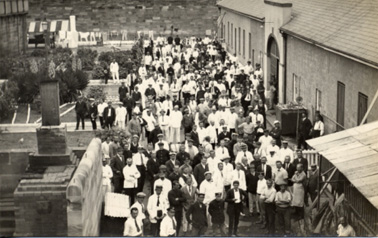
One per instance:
[(323, 188), (365, 181), (343, 152), (356, 172), (374, 201), (341, 165), (352, 156), (333, 144), (329, 138)]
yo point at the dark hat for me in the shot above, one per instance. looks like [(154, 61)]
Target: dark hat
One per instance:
[(160, 143)]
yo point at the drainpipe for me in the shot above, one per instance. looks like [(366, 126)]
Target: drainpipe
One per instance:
[(284, 36)]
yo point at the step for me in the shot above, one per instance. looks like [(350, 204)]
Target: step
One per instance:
[(6, 231), (6, 204), (7, 222)]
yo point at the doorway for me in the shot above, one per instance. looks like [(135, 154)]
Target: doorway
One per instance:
[(273, 69)]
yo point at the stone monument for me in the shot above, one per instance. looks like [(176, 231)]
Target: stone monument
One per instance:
[(41, 194)]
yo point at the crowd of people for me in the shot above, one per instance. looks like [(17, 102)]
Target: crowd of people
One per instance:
[(194, 138)]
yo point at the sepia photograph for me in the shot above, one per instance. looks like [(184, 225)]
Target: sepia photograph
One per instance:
[(188, 118)]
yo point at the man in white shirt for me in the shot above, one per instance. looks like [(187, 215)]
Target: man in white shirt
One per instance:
[(261, 186), (133, 226), (175, 125), (164, 182), (265, 140), (244, 153), (169, 224), (107, 175), (105, 148), (256, 116), (232, 120), (161, 140), (121, 116), (140, 206), (285, 151), (212, 162), (268, 196), (100, 108), (212, 133), (114, 68), (202, 132), (157, 209), (228, 168), (222, 151), (239, 175), (131, 175)]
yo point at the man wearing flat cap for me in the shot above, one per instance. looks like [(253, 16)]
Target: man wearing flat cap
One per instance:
[(161, 140), (196, 215), (234, 198), (162, 154), (157, 209), (172, 162), (117, 163), (140, 206)]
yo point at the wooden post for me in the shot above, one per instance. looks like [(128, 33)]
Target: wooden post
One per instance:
[(322, 190)]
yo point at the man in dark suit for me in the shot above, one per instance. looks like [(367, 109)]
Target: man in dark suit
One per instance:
[(194, 136), (109, 116), (196, 215), (122, 91), (81, 110), (265, 169), (152, 170), (182, 155), (251, 179), (137, 96), (290, 169), (93, 112), (301, 160), (128, 103), (198, 157), (153, 136), (189, 192), (224, 134), (312, 186), (171, 162), (234, 198), (117, 163), (304, 129), (176, 102), (150, 92), (162, 155), (176, 199), (200, 169)]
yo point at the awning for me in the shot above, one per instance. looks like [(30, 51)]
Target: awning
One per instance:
[(354, 152), (52, 26)]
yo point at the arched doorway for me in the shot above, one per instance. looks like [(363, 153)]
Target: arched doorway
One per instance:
[(273, 66)]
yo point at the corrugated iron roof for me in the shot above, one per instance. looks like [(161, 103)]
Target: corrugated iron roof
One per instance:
[(253, 8), (346, 26), (354, 152)]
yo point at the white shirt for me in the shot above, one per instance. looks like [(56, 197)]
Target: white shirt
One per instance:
[(286, 152), (166, 184), (232, 120), (107, 174), (150, 122), (101, 107), (213, 117), (221, 152), (219, 179), (240, 156), (213, 163), (319, 125), (165, 146), (140, 159), (183, 183), (140, 208), (114, 67), (237, 196), (269, 194), (265, 141), (228, 168), (256, 118), (131, 175), (211, 131), (261, 186), (121, 114), (202, 133), (105, 149), (153, 208), (239, 175), (130, 228), (270, 148), (166, 226), (176, 123), (208, 188)]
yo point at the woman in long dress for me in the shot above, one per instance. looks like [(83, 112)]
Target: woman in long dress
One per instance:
[(299, 180)]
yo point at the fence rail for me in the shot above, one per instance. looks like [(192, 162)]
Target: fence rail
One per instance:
[(312, 157)]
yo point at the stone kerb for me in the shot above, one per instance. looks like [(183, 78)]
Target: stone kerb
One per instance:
[(84, 194)]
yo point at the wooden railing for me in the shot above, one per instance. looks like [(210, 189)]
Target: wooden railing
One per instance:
[(13, 7), (312, 157)]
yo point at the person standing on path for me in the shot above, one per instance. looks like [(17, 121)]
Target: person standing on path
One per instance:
[(81, 110), (114, 70)]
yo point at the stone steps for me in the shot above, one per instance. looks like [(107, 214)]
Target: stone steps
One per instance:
[(7, 217)]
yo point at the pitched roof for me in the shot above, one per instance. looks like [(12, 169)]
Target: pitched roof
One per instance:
[(253, 8), (346, 26), (354, 152)]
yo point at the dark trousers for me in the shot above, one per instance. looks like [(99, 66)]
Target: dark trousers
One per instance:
[(178, 216), (188, 129), (283, 217), (199, 231), (233, 217), (219, 227), (94, 124), (78, 119), (302, 141), (109, 123), (155, 228), (118, 184), (270, 217), (148, 136), (102, 122), (227, 187), (142, 178), (131, 192)]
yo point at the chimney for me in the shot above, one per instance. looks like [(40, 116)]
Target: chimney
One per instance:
[(278, 11)]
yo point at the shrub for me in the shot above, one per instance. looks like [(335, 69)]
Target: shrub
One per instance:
[(8, 96), (87, 57), (101, 71), (125, 60), (96, 92)]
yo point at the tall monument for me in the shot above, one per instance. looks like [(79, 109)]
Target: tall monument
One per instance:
[(41, 194)]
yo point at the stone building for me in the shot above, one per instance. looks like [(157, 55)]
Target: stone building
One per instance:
[(322, 50), (13, 26)]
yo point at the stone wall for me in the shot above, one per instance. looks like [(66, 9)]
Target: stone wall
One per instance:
[(190, 16), (12, 34), (321, 69), (84, 194)]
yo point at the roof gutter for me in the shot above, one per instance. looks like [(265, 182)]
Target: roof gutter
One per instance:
[(335, 51), (243, 14)]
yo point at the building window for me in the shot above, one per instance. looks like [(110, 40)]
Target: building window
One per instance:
[(296, 87), (261, 59), (232, 42), (239, 41), (253, 58), (235, 41), (224, 32), (228, 33), (250, 46), (340, 106), (243, 43), (362, 107), (318, 100)]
